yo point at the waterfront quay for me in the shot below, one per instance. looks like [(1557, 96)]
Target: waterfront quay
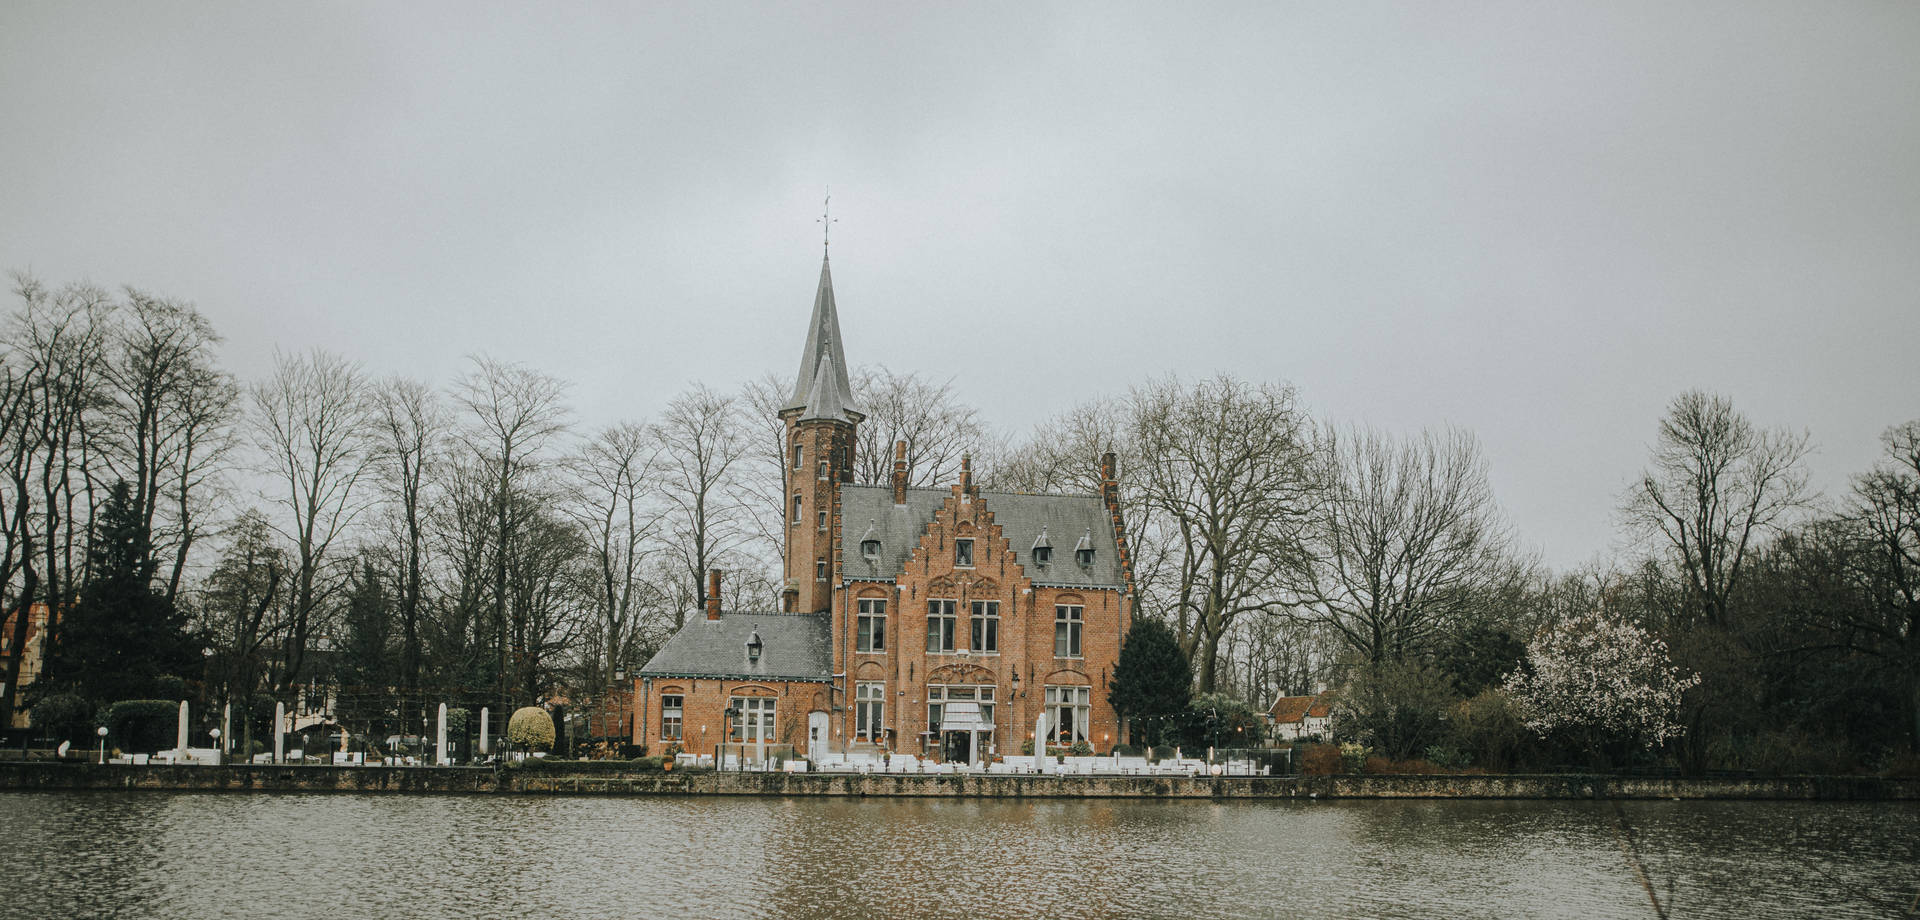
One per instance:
[(20, 776)]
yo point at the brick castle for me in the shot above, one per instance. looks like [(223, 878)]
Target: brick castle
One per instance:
[(939, 622)]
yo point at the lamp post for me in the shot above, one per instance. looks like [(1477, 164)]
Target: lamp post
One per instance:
[(216, 741), (732, 713), (102, 732)]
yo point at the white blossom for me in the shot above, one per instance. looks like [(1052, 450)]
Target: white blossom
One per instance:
[(1601, 680)]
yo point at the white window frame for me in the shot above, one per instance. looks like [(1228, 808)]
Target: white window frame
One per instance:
[(869, 711), (963, 560), (1069, 713), (1069, 621), (673, 717), (871, 624), (983, 634), (756, 712), (942, 638)]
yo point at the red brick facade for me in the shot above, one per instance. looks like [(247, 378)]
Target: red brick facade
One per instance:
[(951, 615)]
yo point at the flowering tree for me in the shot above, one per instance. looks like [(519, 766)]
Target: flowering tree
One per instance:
[(1600, 685)]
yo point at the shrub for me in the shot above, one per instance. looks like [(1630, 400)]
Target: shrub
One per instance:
[(64, 716), (1383, 766), (1353, 757), (1126, 750), (1448, 758), (1319, 760), (1080, 749), (531, 728), (143, 726), (1488, 731)]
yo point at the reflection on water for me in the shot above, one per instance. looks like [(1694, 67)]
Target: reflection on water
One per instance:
[(184, 855)]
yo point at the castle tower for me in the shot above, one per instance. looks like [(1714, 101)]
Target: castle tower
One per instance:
[(821, 421)]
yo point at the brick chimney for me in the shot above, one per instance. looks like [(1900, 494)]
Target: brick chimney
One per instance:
[(899, 472), (1109, 480), (713, 594), (966, 474)]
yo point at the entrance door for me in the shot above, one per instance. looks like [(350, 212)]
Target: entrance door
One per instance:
[(816, 734), (953, 746)]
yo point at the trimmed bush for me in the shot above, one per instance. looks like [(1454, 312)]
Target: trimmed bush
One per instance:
[(531, 728), (143, 726)]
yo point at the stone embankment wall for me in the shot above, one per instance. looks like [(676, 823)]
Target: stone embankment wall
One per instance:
[(471, 780)]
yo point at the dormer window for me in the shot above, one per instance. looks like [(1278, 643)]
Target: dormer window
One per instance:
[(1083, 551), (754, 646), (1042, 549), (963, 552), (870, 550)]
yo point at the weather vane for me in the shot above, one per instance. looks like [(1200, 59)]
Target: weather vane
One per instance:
[(826, 221)]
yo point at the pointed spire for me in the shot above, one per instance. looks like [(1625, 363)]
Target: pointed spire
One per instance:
[(822, 352), (827, 398)]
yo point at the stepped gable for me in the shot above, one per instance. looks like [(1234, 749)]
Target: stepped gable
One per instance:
[(1021, 517)]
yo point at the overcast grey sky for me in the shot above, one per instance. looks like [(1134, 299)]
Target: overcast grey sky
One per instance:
[(1536, 221)]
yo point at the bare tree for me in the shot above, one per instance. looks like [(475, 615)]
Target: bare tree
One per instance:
[(763, 477), (701, 452), (312, 431), (412, 429), (1886, 512), (1227, 466), (168, 418), (1717, 485), (1407, 543), (613, 481), (937, 427), (513, 412)]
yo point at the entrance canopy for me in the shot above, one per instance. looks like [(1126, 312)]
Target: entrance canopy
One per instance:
[(963, 717)]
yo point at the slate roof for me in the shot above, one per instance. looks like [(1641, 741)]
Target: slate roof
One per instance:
[(822, 352), (827, 400), (1022, 517), (794, 646)]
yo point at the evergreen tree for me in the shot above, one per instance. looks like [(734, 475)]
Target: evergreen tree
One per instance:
[(121, 637), (367, 673), (1152, 683)]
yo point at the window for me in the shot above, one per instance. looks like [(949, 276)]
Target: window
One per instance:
[(819, 570), (1042, 555), (869, 711), (870, 549), (670, 717), (823, 469), (986, 627), (1068, 712), (752, 719), (796, 511), (872, 626), (938, 695), (796, 455), (823, 520), (963, 552), (941, 621), (1066, 631), (1084, 557)]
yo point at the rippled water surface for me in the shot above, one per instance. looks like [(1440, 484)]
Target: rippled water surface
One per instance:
[(114, 854)]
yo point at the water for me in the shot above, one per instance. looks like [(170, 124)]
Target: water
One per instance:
[(115, 854)]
